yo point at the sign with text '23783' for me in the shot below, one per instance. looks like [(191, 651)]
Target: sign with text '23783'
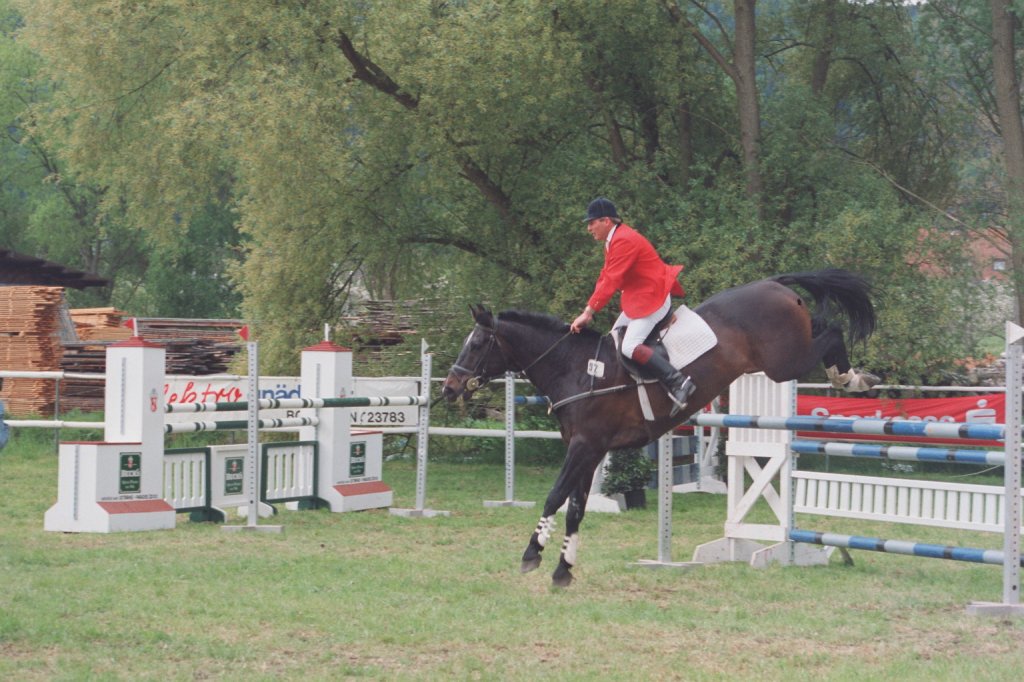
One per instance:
[(389, 415)]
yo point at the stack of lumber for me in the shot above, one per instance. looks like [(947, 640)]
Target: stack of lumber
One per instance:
[(193, 347), (39, 333), (30, 339), (100, 324)]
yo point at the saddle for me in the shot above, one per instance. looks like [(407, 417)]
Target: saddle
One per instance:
[(680, 337)]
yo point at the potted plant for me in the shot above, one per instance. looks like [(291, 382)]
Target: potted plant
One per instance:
[(627, 474)]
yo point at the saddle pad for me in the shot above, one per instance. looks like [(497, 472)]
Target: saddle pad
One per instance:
[(687, 338)]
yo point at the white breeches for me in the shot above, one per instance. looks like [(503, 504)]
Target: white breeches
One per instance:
[(637, 330)]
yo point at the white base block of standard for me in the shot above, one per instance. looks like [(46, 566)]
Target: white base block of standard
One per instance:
[(361, 496), (108, 488)]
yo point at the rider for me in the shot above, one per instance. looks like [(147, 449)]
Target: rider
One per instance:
[(647, 283)]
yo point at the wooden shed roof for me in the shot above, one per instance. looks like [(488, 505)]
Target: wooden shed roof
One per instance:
[(20, 269)]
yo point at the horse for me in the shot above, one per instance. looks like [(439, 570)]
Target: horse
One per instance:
[(763, 326)]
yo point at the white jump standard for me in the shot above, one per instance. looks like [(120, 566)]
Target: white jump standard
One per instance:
[(126, 482), (117, 484)]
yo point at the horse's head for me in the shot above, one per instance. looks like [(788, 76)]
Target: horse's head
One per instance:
[(480, 359)]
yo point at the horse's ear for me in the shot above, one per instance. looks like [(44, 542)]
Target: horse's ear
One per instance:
[(482, 315)]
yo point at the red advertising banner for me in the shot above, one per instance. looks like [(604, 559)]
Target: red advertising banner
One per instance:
[(988, 408)]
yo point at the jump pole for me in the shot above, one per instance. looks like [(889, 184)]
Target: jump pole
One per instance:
[(252, 464), (422, 431), (510, 449)]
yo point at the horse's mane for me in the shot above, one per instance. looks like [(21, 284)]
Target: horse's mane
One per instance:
[(541, 321)]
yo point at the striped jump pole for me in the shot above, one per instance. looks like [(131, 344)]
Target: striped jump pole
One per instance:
[(899, 452), (296, 403), (978, 556), (873, 427), (240, 424), (532, 400)]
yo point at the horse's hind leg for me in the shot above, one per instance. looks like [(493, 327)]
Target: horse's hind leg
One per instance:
[(830, 346)]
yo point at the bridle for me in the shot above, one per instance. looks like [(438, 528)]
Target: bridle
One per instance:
[(478, 380)]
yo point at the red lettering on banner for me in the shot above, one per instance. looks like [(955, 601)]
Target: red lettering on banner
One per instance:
[(209, 393), (989, 408)]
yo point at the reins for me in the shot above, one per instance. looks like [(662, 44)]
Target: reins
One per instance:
[(544, 354), (476, 381)]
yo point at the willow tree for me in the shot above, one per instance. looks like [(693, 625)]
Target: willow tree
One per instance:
[(448, 149)]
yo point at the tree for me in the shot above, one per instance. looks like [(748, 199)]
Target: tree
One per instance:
[(427, 149), (741, 68), (1005, 23)]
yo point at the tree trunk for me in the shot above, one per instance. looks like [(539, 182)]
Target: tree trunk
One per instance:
[(823, 50), (1007, 95), (741, 69), (685, 141), (746, 97)]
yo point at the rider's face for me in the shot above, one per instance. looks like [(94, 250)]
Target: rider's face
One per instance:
[(599, 228)]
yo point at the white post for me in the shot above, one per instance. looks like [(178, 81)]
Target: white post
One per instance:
[(1010, 605), (664, 559), (745, 540), (510, 448), (422, 431), (252, 456)]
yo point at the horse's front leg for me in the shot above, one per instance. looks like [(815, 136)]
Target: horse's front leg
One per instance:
[(562, 576), (538, 541), (572, 469)]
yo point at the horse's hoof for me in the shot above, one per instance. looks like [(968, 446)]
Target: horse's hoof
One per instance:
[(561, 578), (530, 564), (861, 381)]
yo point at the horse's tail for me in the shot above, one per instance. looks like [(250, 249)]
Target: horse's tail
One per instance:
[(832, 287)]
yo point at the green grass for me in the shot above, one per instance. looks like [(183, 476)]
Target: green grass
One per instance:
[(373, 596)]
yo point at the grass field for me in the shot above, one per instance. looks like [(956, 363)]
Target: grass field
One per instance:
[(373, 596)]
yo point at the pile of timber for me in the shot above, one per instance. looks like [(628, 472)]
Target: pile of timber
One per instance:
[(33, 322), (193, 347), (100, 324)]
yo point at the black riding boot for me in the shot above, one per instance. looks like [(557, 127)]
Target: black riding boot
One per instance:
[(679, 387)]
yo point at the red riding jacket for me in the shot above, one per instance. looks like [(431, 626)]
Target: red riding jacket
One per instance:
[(631, 265)]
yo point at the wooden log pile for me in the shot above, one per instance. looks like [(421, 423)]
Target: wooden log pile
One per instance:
[(39, 333), (32, 323), (193, 347)]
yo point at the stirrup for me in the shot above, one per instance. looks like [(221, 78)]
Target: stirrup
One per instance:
[(686, 388)]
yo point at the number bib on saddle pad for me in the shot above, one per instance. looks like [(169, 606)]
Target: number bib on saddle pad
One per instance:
[(687, 337)]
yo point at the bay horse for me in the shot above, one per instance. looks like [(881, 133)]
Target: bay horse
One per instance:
[(763, 326)]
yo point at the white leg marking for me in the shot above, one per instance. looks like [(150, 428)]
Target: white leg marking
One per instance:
[(836, 379), (544, 529), (570, 545)]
